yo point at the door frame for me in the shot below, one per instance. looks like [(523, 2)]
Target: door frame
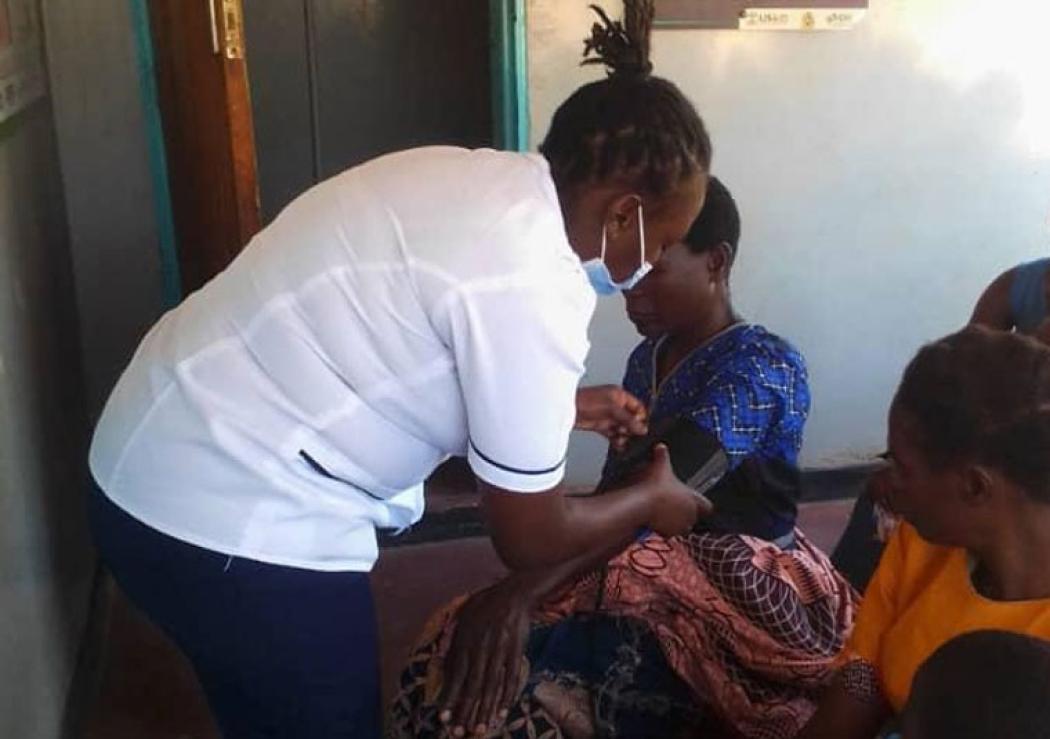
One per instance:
[(196, 102), (171, 279), (510, 89), (510, 113)]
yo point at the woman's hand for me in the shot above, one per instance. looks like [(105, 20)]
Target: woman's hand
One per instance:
[(612, 412), (676, 506), (484, 668)]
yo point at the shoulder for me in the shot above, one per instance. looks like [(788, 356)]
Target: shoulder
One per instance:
[(488, 185), (443, 191), (1036, 268), (637, 376), (642, 354), (514, 208), (479, 221), (757, 356), (519, 198), (479, 166), (759, 343), (915, 560)]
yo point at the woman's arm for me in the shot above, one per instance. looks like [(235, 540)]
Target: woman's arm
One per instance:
[(844, 715), (491, 628), (855, 706), (534, 530)]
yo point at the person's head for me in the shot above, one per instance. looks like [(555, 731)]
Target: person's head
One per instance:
[(691, 280), (969, 436), (627, 153), (982, 685)]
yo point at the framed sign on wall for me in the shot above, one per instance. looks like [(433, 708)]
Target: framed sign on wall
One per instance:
[(761, 15)]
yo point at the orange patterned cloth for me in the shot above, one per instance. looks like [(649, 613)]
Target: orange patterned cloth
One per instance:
[(753, 630)]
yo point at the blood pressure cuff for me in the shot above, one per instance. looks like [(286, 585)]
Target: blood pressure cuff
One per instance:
[(757, 498)]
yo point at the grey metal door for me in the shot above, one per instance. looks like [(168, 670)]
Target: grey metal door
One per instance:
[(337, 82)]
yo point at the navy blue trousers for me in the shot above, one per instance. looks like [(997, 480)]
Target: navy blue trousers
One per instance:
[(281, 652)]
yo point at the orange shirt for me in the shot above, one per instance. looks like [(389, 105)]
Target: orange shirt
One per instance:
[(920, 597)]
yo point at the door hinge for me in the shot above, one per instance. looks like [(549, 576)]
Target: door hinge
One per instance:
[(227, 28)]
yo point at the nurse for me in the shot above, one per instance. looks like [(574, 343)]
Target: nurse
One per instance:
[(429, 303)]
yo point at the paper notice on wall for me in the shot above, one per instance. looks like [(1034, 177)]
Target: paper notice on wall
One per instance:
[(800, 19), (22, 78), (761, 15)]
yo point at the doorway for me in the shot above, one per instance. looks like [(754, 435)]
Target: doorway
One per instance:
[(337, 82), (261, 100)]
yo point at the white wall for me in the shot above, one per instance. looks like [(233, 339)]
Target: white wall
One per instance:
[(884, 175)]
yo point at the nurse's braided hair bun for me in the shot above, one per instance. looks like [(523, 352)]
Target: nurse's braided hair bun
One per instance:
[(631, 125), (983, 396), (622, 47)]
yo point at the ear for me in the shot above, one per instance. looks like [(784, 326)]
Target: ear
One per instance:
[(621, 216), (978, 486), (720, 261)]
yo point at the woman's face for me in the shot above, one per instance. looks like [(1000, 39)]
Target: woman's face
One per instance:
[(681, 291), (927, 496), (666, 222)]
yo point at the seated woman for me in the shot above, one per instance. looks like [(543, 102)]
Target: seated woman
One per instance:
[(1017, 300), (969, 443), (736, 625)]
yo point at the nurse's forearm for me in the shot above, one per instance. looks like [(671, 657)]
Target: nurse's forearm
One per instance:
[(540, 584), (531, 530)]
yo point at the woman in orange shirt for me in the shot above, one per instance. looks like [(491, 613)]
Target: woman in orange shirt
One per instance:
[(969, 440)]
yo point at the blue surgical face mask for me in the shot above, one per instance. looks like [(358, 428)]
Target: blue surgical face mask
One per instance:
[(599, 275)]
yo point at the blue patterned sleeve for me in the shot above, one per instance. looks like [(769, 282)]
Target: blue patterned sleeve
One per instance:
[(636, 377), (1027, 296), (756, 406), (636, 380)]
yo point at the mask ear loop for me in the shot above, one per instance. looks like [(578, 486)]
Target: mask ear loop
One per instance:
[(604, 231), (641, 234)]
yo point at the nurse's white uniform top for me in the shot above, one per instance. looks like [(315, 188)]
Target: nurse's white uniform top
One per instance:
[(422, 305)]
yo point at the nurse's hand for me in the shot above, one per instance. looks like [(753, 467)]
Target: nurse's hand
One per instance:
[(485, 670), (676, 507), (612, 412)]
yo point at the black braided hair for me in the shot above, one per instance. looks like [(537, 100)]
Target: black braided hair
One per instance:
[(718, 222), (630, 125), (982, 684), (983, 396)]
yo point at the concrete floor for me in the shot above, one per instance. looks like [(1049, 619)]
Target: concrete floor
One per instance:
[(148, 690)]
